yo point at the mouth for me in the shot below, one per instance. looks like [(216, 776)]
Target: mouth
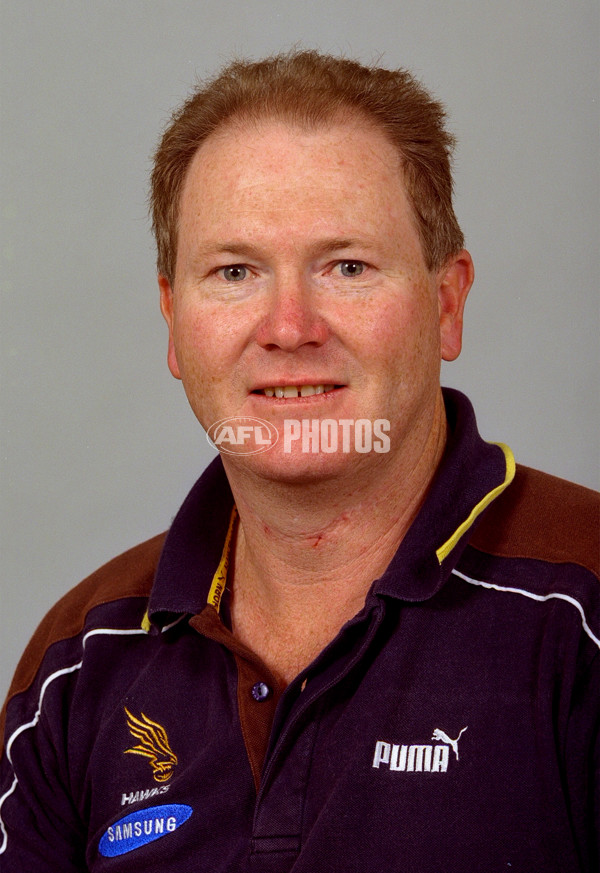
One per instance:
[(291, 391)]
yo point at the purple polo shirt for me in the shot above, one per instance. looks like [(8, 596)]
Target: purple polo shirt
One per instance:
[(450, 726)]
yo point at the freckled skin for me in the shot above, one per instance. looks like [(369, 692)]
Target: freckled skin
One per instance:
[(289, 207), (277, 193)]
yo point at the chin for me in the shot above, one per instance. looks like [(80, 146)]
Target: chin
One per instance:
[(298, 468)]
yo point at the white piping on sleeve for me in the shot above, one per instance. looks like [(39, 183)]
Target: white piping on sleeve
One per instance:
[(2, 828), (36, 718), (38, 713), (113, 632), (554, 595)]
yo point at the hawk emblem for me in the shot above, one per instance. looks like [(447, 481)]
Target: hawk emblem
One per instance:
[(153, 744)]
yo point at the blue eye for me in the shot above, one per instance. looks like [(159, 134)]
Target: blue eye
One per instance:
[(351, 269), (234, 273)]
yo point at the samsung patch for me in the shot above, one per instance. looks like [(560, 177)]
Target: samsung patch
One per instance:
[(141, 827)]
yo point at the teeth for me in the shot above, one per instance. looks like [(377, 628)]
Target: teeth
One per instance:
[(297, 391)]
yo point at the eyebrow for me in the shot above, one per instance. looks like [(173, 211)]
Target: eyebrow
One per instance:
[(248, 249)]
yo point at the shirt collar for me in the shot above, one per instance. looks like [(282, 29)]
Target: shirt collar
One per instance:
[(471, 474), (193, 548)]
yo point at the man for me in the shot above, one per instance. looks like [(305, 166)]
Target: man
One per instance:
[(368, 641)]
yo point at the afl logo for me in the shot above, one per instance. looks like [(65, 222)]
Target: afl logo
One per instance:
[(242, 435)]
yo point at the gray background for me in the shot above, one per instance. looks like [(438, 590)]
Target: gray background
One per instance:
[(98, 444)]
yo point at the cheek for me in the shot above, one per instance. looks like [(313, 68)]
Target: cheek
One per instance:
[(201, 341), (204, 374), (397, 331)]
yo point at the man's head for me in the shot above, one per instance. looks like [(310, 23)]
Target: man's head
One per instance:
[(301, 276), (312, 91)]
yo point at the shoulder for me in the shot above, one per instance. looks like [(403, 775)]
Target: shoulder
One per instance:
[(545, 518), (130, 575)]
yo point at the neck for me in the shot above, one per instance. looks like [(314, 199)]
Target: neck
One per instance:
[(306, 555)]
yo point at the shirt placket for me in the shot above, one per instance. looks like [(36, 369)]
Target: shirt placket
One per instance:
[(278, 819)]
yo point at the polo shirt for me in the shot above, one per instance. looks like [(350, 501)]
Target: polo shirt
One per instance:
[(451, 726)]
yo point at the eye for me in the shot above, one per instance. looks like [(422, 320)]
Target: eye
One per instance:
[(351, 269), (234, 273)]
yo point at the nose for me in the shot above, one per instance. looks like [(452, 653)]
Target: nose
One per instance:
[(292, 319)]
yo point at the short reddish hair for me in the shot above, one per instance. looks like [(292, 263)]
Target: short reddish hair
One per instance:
[(313, 90)]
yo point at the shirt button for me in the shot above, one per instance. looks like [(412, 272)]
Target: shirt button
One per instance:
[(260, 691)]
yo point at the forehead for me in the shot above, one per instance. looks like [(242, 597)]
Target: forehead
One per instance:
[(275, 183), (284, 155)]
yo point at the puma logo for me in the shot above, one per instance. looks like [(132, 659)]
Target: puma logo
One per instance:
[(444, 738)]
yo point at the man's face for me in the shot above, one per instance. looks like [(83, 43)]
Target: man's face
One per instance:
[(300, 271)]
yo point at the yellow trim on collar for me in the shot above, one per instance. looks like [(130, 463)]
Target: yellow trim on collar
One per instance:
[(220, 578), (146, 623), (445, 549)]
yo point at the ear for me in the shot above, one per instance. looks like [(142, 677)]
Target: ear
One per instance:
[(453, 284), (166, 307)]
